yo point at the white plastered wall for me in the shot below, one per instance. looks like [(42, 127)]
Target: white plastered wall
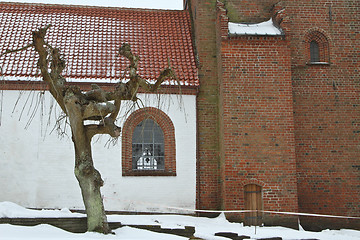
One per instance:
[(37, 164)]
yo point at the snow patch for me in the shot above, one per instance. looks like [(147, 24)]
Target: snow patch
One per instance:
[(12, 210), (205, 228), (264, 28), (94, 80)]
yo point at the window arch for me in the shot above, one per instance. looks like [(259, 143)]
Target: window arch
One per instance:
[(317, 47), (148, 144)]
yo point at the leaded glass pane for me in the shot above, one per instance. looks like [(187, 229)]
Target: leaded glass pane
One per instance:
[(137, 136), (158, 136), (136, 150), (158, 149), (148, 146), (148, 136), (160, 162)]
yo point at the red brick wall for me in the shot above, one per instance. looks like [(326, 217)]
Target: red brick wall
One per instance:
[(204, 15), (257, 122), (249, 10), (327, 106), (258, 98)]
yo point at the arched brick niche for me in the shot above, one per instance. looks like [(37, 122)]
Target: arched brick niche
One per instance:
[(317, 47), (168, 129)]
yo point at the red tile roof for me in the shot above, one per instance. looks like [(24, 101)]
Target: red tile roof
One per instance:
[(89, 38)]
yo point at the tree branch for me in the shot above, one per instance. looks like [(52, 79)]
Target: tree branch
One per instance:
[(165, 74), (97, 111), (136, 80), (117, 104), (96, 94), (73, 109), (16, 50), (120, 93), (54, 80), (105, 127)]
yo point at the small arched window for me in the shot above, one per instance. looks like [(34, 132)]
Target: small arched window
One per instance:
[(148, 146), (314, 52), (317, 47)]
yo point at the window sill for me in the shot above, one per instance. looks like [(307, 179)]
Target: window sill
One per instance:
[(318, 63), (150, 173)]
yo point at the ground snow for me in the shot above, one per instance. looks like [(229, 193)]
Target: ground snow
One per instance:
[(12, 210), (205, 227), (10, 232)]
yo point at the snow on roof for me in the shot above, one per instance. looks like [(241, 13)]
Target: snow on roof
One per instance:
[(264, 28), (89, 38)]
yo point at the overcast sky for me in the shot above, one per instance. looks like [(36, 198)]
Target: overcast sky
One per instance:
[(156, 4)]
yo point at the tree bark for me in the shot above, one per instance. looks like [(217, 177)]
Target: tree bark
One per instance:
[(90, 182)]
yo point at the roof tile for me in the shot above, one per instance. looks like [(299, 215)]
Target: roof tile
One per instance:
[(89, 38)]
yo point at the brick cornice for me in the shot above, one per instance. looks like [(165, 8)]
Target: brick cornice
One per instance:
[(85, 86)]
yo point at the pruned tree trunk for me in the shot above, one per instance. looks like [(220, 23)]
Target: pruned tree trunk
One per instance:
[(95, 104), (88, 177), (90, 182)]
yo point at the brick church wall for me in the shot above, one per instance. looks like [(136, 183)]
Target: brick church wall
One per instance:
[(274, 106), (257, 122), (249, 11), (327, 106)]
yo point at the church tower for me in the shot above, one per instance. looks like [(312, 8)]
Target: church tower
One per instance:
[(278, 108)]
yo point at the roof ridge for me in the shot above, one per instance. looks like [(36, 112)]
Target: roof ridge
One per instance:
[(91, 7)]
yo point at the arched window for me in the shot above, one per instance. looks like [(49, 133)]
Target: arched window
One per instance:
[(314, 52), (148, 144), (317, 47)]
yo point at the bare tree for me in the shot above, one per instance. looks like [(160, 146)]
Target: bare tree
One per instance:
[(96, 104)]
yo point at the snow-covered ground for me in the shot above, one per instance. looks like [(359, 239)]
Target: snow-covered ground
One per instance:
[(205, 227)]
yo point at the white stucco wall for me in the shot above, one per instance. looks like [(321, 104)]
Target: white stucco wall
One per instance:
[(36, 166)]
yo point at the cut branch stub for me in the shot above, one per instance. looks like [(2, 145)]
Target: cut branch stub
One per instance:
[(125, 50), (96, 94), (97, 111), (105, 127)]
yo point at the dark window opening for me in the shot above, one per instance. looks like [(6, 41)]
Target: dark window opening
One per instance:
[(314, 52)]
